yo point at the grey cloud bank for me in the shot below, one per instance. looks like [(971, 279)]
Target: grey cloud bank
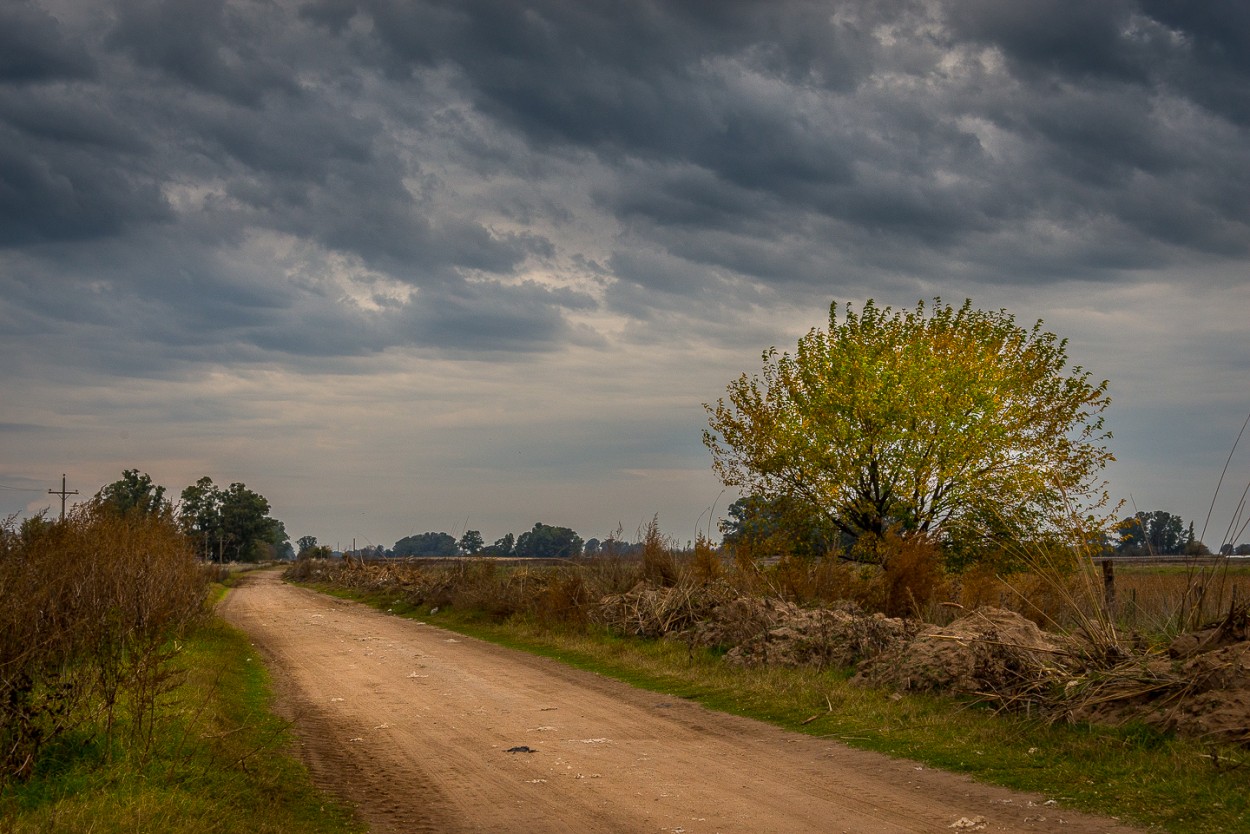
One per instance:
[(408, 266)]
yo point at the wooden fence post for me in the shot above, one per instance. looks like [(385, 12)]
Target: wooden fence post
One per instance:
[(1108, 586)]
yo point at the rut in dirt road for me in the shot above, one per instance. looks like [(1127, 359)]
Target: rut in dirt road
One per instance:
[(425, 730)]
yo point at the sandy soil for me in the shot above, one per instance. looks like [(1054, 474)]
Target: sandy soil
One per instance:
[(415, 725)]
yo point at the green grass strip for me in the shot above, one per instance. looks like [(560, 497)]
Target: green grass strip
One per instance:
[(220, 763)]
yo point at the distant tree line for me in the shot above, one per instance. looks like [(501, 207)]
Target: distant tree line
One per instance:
[(1157, 533), (543, 541)]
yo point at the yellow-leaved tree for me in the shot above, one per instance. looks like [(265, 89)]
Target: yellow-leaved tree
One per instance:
[(952, 422)]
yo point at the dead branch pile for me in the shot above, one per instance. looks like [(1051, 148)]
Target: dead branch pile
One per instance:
[(755, 631)]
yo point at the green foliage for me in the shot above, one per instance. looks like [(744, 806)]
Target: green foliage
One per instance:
[(947, 421), (245, 523), (426, 544), (778, 526), (305, 543), (231, 524), (134, 493), (1159, 533), (471, 542), (548, 542), (503, 546), (199, 513)]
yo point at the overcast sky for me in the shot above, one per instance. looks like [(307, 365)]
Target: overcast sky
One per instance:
[(404, 266)]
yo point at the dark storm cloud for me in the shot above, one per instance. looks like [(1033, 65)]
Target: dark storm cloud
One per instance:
[(233, 177), (33, 48), (491, 318), (206, 44), (868, 123)]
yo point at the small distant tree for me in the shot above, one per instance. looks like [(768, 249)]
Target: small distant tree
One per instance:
[(547, 541), (427, 544), (305, 543), (471, 542), (1156, 533), (199, 516), (245, 523), (503, 546), (949, 422), (134, 493), (279, 542)]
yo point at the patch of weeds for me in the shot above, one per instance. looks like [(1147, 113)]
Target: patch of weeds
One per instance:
[(219, 763)]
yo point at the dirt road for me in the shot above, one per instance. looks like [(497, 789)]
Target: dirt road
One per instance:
[(417, 726)]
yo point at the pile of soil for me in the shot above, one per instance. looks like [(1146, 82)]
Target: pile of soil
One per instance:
[(992, 653), (1201, 688), (1216, 699), (779, 633)]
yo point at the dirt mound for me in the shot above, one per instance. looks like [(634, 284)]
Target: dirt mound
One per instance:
[(992, 653), (1204, 696), (794, 636), (754, 631), (1201, 690)]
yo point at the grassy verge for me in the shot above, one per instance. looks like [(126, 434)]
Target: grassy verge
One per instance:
[(1134, 774), (219, 763)]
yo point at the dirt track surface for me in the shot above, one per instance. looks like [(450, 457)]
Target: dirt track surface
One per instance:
[(413, 724)]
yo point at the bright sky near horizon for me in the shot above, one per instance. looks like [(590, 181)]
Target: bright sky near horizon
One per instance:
[(429, 265)]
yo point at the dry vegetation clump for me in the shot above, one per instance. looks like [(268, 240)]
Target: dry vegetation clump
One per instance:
[(649, 610), (89, 607)]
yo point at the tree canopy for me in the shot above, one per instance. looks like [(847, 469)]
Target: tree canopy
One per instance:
[(502, 546), (780, 525), (231, 523), (134, 493), (548, 541), (1155, 533), (426, 544), (951, 421)]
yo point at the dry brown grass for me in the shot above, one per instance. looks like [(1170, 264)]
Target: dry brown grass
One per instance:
[(88, 607)]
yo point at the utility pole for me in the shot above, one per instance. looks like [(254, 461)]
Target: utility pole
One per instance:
[(63, 493)]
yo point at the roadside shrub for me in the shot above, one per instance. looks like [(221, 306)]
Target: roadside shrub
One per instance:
[(88, 607), (912, 576), (659, 567)]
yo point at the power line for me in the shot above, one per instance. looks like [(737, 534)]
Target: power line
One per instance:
[(20, 489)]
